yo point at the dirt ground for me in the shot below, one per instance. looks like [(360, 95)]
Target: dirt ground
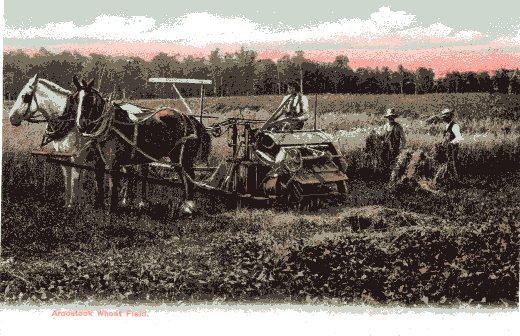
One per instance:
[(378, 246)]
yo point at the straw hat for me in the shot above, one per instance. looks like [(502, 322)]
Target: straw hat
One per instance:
[(446, 111), (390, 113)]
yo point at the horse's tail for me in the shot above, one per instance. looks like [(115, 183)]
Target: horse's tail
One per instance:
[(204, 139)]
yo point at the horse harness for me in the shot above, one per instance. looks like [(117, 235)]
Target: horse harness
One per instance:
[(107, 123)]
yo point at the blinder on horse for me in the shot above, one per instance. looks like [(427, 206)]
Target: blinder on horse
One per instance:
[(59, 127), (95, 122), (28, 97)]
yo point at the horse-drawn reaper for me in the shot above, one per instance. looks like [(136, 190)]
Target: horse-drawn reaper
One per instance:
[(290, 167), (89, 132)]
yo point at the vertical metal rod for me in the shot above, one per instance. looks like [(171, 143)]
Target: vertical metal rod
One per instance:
[(247, 129), (44, 181), (234, 136), (315, 111), (201, 101), (182, 99)]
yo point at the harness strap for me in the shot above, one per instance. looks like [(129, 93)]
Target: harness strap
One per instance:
[(107, 120), (134, 145), (106, 123), (136, 131), (143, 153), (101, 153)]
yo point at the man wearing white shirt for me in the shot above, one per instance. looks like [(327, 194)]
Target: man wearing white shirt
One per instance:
[(292, 112), (452, 129), (452, 138)]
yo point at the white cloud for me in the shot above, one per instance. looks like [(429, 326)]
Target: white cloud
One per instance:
[(387, 19), (103, 28), (433, 31), (205, 28), (200, 29), (468, 35), (378, 25), (508, 40)]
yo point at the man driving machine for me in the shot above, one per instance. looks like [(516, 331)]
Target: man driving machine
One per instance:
[(292, 112)]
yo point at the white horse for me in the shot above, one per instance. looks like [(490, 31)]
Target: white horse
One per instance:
[(41, 100)]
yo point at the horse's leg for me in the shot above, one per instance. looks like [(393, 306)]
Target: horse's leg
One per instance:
[(100, 185), (188, 168), (187, 160), (126, 187), (180, 173), (144, 187), (114, 185), (186, 206), (75, 187), (66, 179)]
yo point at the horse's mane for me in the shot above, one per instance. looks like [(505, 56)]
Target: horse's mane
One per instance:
[(54, 86)]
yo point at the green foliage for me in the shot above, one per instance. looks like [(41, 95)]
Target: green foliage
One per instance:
[(241, 73)]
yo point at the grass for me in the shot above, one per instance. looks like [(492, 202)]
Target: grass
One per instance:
[(377, 247), (490, 123), (387, 249), (476, 106)]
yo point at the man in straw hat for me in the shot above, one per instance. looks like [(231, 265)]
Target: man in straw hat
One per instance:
[(447, 173), (393, 135), (292, 112)]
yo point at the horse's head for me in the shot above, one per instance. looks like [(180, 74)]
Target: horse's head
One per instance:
[(90, 105), (26, 104), (40, 100)]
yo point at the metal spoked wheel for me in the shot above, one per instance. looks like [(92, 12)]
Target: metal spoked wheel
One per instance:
[(294, 198)]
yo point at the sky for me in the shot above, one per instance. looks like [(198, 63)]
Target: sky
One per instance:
[(445, 35)]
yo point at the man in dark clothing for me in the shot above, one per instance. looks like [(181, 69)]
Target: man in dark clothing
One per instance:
[(394, 136), (447, 173)]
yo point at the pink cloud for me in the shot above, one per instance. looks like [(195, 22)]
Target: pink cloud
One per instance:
[(442, 60)]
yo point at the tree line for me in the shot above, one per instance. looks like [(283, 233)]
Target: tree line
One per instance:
[(241, 73)]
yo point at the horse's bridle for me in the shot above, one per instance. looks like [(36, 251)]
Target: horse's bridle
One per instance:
[(28, 98), (31, 117)]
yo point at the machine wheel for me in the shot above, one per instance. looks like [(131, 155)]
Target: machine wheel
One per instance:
[(294, 199), (342, 190)]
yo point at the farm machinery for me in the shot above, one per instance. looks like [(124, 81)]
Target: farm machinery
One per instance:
[(293, 168)]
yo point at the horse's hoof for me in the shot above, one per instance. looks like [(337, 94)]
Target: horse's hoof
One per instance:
[(188, 208), (71, 208), (143, 205)]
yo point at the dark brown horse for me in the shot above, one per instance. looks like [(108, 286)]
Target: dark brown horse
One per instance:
[(119, 142)]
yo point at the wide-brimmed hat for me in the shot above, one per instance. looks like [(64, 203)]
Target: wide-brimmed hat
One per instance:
[(295, 85), (390, 113), (446, 111)]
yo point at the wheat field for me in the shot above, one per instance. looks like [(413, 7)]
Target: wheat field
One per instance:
[(378, 247)]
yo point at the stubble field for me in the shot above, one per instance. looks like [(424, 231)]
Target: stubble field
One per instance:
[(377, 247)]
